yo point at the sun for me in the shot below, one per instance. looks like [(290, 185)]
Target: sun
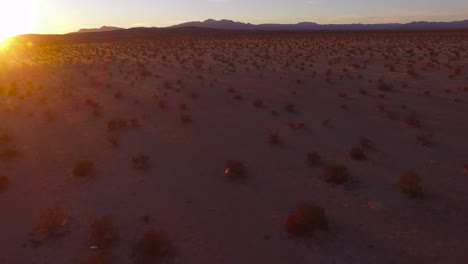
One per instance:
[(16, 17)]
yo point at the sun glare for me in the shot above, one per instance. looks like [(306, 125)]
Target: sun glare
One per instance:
[(16, 17)]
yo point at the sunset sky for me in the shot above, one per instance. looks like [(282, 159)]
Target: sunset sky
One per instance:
[(61, 16)]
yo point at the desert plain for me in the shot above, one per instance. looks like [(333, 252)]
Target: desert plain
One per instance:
[(235, 147)]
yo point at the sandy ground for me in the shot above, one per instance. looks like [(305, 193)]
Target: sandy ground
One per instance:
[(56, 102)]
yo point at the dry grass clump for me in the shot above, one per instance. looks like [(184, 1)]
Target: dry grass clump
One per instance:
[(84, 168), (296, 126), (411, 120), (366, 143), (410, 185), (290, 108), (235, 169), (8, 154), (4, 183), (357, 154), (152, 247), (313, 159), (141, 162), (53, 224), (258, 103), (305, 220), (5, 138), (465, 169), (337, 174), (186, 119), (424, 138), (114, 141), (103, 233), (274, 139), (120, 124)]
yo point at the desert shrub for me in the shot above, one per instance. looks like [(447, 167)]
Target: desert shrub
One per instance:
[(103, 233), (313, 159), (141, 162), (53, 224), (411, 120), (186, 119), (305, 220), (152, 247), (290, 108), (366, 143), (117, 124), (5, 138), (337, 174), (424, 139), (183, 107), (163, 104), (84, 168), (357, 154), (274, 139), (235, 169), (113, 140), (9, 154), (4, 183), (410, 184), (258, 103)]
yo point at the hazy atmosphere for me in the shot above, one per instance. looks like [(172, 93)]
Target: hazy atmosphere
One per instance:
[(61, 16)]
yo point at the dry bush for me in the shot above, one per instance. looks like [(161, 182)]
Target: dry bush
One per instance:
[(8, 154), (152, 247), (337, 174), (313, 159), (357, 154), (411, 120), (5, 138), (305, 220), (274, 139), (258, 103), (424, 138), (53, 224), (366, 143), (103, 233), (84, 168), (186, 119), (290, 108), (141, 162), (4, 183), (410, 185), (113, 140), (235, 169)]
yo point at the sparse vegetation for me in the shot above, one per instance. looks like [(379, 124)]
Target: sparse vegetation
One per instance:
[(306, 220), (103, 233), (53, 224), (235, 169), (153, 246), (4, 183), (410, 185), (337, 174), (84, 168), (141, 162)]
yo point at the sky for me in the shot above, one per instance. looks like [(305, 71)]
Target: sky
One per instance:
[(61, 16)]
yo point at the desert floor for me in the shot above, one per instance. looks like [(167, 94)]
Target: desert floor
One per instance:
[(141, 131)]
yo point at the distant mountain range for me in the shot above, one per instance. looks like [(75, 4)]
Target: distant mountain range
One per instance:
[(306, 26), (101, 29)]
